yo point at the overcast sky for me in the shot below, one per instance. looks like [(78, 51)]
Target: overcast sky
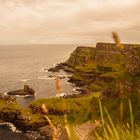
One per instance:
[(68, 21)]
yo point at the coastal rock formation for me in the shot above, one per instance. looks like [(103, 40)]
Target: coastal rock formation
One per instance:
[(105, 71), (56, 68), (22, 92), (103, 67), (21, 117)]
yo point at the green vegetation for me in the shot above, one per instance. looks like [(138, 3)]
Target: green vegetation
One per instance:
[(110, 77), (22, 117), (94, 87), (77, 109), (88, 108), (81, 54), (110, 130)]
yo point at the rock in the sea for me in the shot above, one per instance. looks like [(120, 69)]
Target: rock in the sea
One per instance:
[(54, 69), (57, 68), (103, 67), (55, 76), (26, 91)]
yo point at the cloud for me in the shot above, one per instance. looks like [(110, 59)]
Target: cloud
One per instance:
[(68, 21)]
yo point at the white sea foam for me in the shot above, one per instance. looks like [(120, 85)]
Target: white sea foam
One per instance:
[(61, 94), (21, 96), (24, 80), (75, 89), (11, 127), (5, 93), (45, 77), (48, 77), (68, 83), (54, 65), (43, 70)]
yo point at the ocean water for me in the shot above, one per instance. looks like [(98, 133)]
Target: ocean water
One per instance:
[(25, 64)]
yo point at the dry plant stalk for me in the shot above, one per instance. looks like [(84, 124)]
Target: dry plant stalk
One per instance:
[(117, 40), (58, 86), (67, 127), (55, 132), (44, 109), (120, 46)]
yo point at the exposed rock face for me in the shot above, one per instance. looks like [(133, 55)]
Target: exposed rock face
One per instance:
[(57, 67), (130, 55), (103, 67), (80, 56), (22, 118), (26, 91)]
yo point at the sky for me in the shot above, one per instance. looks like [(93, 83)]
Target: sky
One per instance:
[(68, 21)]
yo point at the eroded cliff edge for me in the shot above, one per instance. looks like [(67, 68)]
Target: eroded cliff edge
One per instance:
[(105, 68), (110, 71)]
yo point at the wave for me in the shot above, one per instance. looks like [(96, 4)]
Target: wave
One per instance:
[(45, 77), (43, 70), (24, 80), (21, 96), (55, 65), (76, 89), (61, 94), (10, 126), (68, 83)]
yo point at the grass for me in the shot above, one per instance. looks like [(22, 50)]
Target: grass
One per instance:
[(86, 68), (94, 87), (17, 114), (77, 109), (111, 129), (119, 131)]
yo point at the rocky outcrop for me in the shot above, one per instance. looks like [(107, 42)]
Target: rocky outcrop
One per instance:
[(103, 65), (129, 55), (23, 92), (80, 56), (57, 68), (22, 118)]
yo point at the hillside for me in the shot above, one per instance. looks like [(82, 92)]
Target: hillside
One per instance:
[(104, 67), (111, 71), (106, 71)]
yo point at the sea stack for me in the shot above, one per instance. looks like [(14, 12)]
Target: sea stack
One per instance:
[(22, 92)]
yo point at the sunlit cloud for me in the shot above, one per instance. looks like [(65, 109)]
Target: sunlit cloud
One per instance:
[(68, 21)]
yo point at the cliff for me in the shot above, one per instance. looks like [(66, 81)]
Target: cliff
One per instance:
[(105, 71), (103, 67)]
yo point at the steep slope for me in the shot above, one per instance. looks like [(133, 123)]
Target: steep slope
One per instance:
[(106, 68)]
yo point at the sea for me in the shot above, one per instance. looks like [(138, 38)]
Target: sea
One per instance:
[(28, 65)]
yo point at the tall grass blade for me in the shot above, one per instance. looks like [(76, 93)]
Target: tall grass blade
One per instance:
[(131, 117), (102, 118), (111, 122), (121, 110), (67, 127)]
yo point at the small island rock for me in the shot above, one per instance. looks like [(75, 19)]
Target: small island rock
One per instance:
[(26, 91)]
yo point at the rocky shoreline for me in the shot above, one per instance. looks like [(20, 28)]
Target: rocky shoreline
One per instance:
[(23, 118), (104, 71), (101, 68)]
